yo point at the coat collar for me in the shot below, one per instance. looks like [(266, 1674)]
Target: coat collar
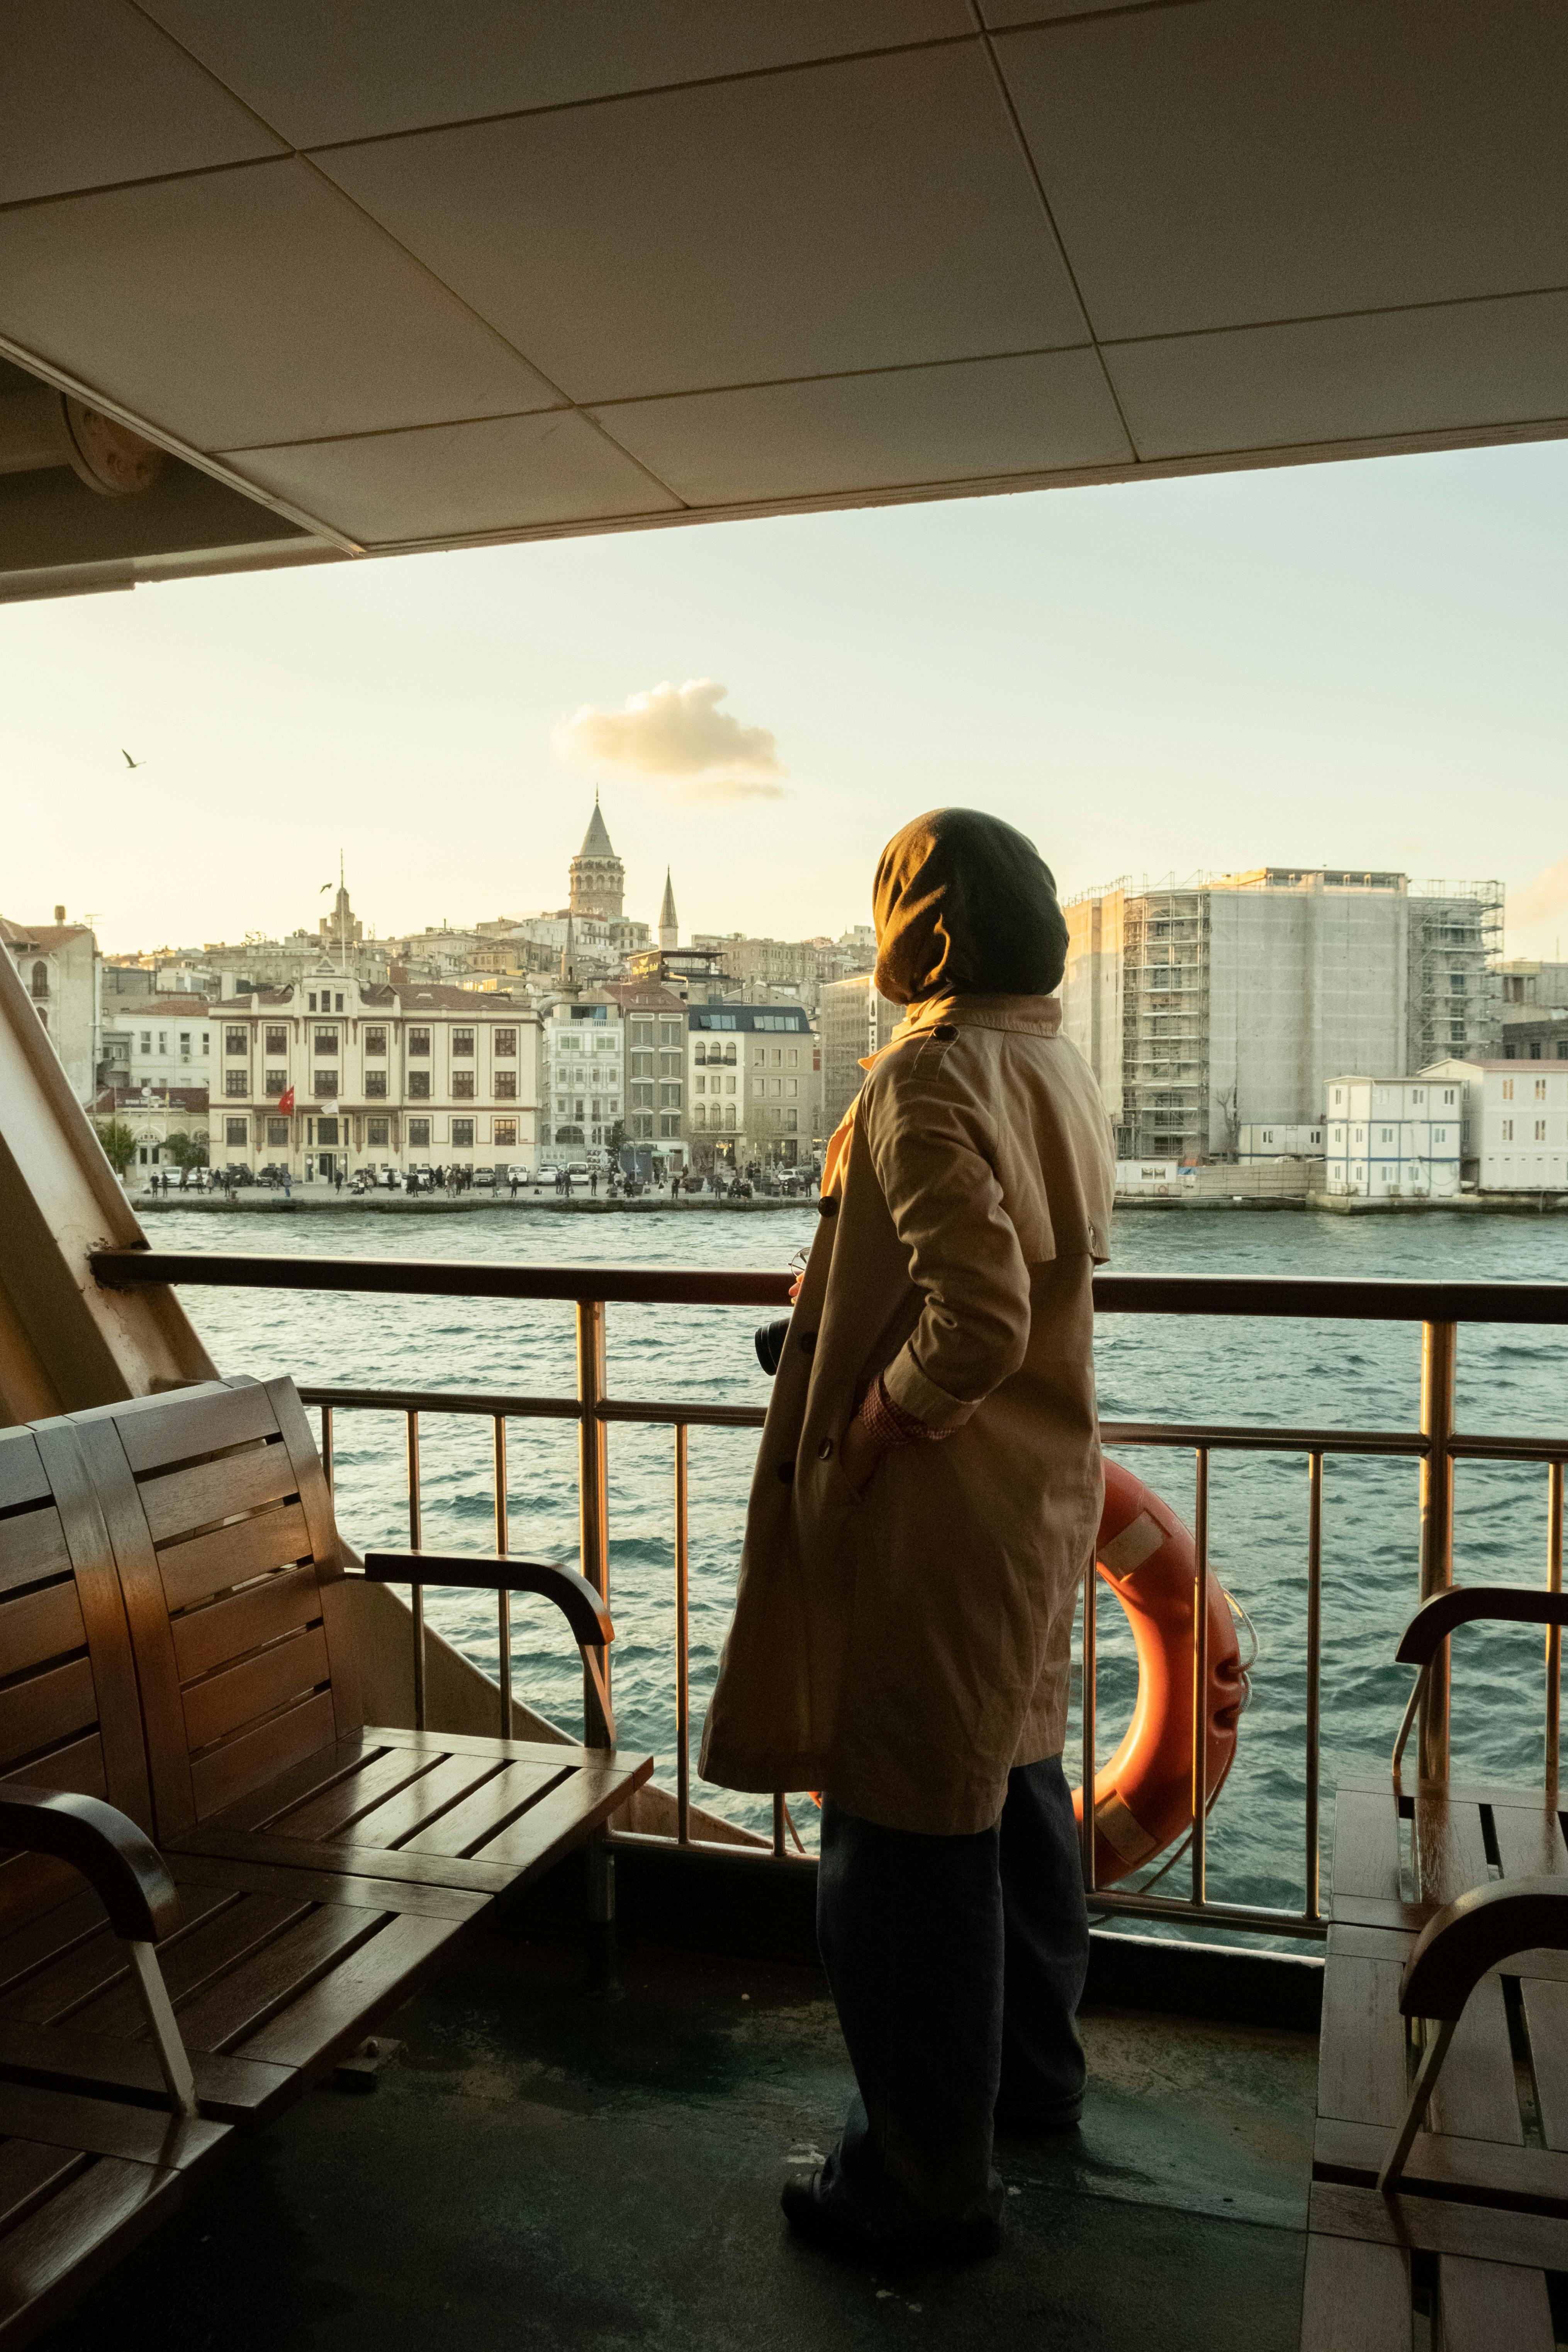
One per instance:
[(1041, 1015)]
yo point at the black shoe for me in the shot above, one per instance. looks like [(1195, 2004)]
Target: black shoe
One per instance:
[(826, 2223), (1038, 2123)]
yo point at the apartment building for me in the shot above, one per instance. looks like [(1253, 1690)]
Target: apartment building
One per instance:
[(854, 1019), (753, 1085), (159, 1041), (581, 1084), (335, 1076), (1396, 1139), (1229, 1003), (655, 1019), (1539, 1039), (1531, 990), (60, 967), (1516, 1123)]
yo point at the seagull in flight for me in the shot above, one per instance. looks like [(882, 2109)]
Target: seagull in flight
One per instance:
[(129, 760)]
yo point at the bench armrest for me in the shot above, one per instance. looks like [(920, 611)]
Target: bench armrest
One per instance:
[(1511, 1604), (123, 1868), (582, 1606), (1484, 1927)]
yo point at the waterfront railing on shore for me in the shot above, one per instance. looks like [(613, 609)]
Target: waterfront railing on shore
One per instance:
[(1436, 1443)]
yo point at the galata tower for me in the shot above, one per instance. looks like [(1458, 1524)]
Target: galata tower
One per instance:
[(599, 878)]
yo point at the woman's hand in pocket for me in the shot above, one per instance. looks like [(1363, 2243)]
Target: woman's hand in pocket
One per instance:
[(858, 1455)]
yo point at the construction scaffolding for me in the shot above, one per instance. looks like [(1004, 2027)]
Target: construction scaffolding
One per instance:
[(1456, 986)]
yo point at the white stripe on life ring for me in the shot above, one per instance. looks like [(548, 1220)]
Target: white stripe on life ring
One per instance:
[(1132, 1547)]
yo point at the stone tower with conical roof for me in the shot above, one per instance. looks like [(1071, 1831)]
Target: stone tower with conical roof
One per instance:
[(669, 926), (599, 878)]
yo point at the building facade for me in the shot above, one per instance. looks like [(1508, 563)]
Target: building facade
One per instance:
[(1209, 1007), (60, 967), (337, 1078), (753, 1086), (1532, 990), (582, 1080), (158, 1041), (655, 1019), (1396, 1139), (1536, 1040), (854, 1019), (1516, 1123)]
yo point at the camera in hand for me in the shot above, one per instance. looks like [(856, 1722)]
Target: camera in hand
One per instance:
[(770, 1343)]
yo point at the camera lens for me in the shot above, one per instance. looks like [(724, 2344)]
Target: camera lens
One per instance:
[(770, 1343)]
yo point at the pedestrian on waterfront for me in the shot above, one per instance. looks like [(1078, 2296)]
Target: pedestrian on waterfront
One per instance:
[(594, 1180), (288, 1185), (513, 1180), (923, 1511)]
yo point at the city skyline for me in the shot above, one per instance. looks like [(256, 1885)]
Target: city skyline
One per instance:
[(1323, 664)]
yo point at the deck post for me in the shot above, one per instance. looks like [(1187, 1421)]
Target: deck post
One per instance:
[(1439, 1351), (592, 1490)]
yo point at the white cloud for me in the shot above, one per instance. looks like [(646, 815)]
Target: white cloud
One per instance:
[(676, 735), (1540, 899)]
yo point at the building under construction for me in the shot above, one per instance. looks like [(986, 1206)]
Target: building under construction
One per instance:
[(1229, 1000)]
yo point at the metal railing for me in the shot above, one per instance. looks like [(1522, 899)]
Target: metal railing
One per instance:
[(1436, 1443)]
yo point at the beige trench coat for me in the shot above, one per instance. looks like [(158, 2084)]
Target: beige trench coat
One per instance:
[(905, 1647)]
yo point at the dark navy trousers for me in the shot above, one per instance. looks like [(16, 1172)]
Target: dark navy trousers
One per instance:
[(957, 1965)]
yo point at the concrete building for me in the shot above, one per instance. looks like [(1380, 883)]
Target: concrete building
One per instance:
[(61, 970), (1531, 989), (1212, 1006), (803, 966), (753, 1085), (1396, 1139), (1278, 1140), (338, 1076), (1540, 1040), (1516, 1120), (582, 1083), (854, 1019), (158, 1041), (654, 1018)]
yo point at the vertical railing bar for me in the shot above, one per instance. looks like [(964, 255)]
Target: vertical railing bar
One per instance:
[(1201, 1677), (503, 1598), (1439, 1351), (416, 1592), (1553, 1633), (779, 1847), (1314, 1678), (327, 1446), (1086, 1825), (683, 1638), (593, 1494)]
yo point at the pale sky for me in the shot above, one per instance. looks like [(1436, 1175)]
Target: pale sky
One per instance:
[(1358, 663)]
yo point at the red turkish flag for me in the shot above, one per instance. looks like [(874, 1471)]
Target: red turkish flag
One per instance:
[(286, 1101)]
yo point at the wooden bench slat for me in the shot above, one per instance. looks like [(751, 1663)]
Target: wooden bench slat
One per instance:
[(65, 2119), (469, 1827), (284, 1603), (236, 1696), (1361, 2064), (48, 1936), (88, 1968), (245, 1997), (105, 2066), (195, 1571), (1530, 1843), (564, 1818), (1546, 2021), (327, 1811), (23, 1478), (324, 1886), (252, 1759), (178, 1502), (1356, 2297), (38, 1626), (158, 1431), (1450, 1847), (1476, 2097), (1528, 2178), (1366, 1846), (473, 1875), (197, 1961), (28, 2172), (1483, 2306), (32, 1545), (46, 1710), (110, 2204), (1439, 2225), (344, 2006), (79, 1767), (415, 1806)]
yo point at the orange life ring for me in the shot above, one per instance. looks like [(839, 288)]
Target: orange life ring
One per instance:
[(1144, 1797)]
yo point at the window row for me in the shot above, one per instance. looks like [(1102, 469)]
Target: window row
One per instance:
[(416, 1042), (332, 1133)]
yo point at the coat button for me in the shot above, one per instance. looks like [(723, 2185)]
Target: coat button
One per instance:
[(825, 1451), (808, 1343), (787, 1472), (828, 1206), (944, 1033)]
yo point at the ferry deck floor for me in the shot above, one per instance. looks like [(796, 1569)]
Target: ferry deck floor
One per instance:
[(542, 2167)]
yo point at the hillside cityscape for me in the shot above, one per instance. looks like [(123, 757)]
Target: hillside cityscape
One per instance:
[(1279, 1032)]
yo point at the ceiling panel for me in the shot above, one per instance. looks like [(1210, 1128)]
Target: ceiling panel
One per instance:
[(91, 93), (844, 216), (999, 12), (446, 481), (858, 433), (1218, 165), (248, 306), (357, 68), (1460, 366)]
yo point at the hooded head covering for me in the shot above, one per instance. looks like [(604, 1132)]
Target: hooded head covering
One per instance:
[(966, 905)]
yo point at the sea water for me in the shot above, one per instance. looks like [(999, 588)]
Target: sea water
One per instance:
[(1152, 1368)]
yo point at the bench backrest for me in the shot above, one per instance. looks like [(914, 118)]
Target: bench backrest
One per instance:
[(222, 1530), (69, 1716)]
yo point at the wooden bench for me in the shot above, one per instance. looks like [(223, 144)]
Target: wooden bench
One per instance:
[(1440, 2154), (173, 1641)]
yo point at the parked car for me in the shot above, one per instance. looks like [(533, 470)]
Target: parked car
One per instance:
[(484, 1180)]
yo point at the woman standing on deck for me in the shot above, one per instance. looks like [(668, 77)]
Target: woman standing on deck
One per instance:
[(925, 1503)]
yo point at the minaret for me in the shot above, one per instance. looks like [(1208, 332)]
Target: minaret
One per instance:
[(569, 957), (599, 878), (669, 928)]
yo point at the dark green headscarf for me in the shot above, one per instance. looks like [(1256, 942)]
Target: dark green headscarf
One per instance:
[(966, 905)]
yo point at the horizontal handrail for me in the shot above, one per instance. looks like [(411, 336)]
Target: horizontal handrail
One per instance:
[(1310, 1296)]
